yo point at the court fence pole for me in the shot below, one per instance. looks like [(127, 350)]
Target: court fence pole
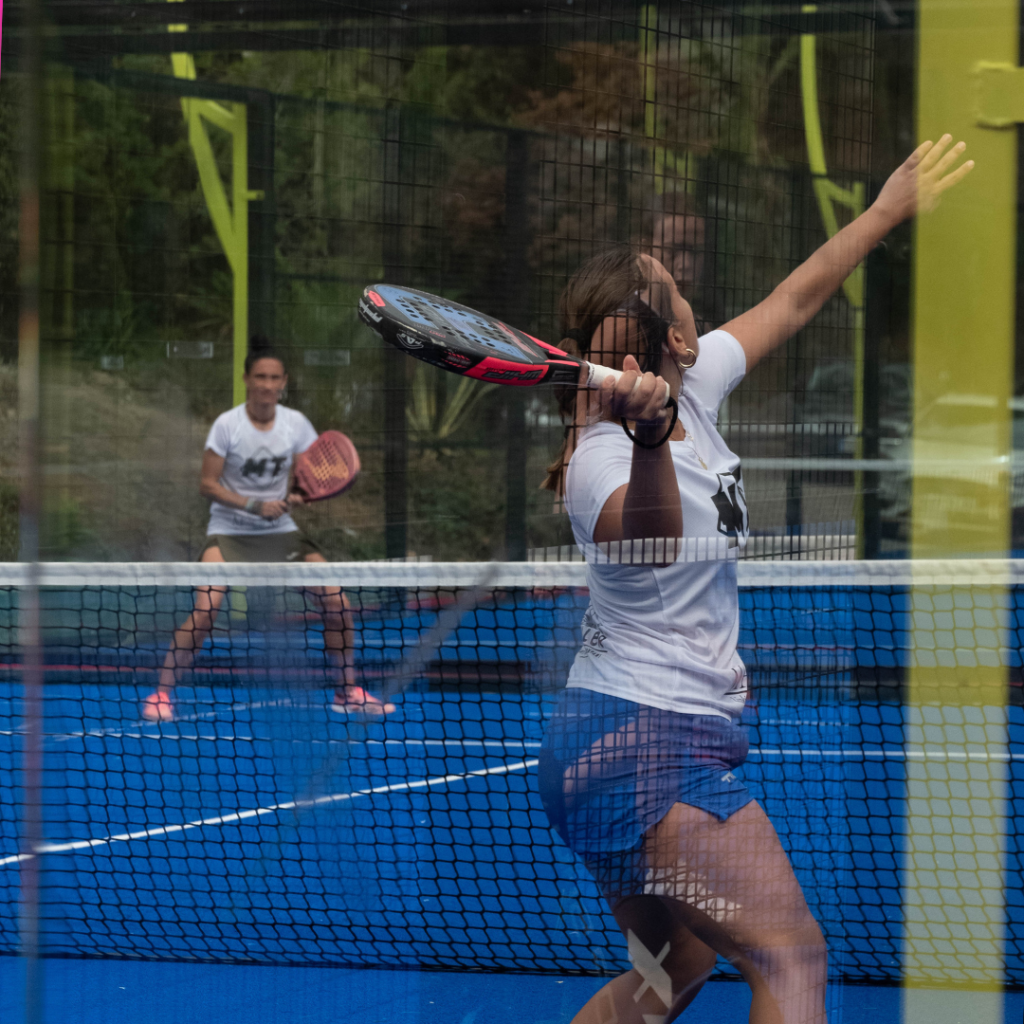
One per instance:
[(517, 304), (395, 374), (30, 923)]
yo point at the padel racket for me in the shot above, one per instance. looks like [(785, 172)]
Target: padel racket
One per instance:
[(462, 340), (327, 467)]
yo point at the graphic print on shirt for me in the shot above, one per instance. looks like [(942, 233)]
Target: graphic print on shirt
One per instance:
[(261, 462), (593, 636), (739, 686), (731, 503)]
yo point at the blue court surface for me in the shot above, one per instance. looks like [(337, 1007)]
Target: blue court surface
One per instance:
[(123, 992), (262, 858)]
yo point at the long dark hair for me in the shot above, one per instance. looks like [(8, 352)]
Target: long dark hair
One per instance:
[(604, 284)]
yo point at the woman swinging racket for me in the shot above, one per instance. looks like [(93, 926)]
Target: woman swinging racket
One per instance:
[(636, 772), (246, 473)]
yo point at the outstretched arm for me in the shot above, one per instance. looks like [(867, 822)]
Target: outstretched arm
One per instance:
[(914, 187)]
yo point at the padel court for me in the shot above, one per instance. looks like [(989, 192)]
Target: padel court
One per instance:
[(208, 172), (260, 828)]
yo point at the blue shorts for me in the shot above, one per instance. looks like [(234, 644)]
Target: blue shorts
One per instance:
[(610, 769)]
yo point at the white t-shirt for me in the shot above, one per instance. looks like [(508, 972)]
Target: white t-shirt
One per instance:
[(257, 464), (666, 637)]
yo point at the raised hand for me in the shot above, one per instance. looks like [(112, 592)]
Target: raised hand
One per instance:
[(917, 185)]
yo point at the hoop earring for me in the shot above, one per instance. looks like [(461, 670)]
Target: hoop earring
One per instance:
[(693, 359)]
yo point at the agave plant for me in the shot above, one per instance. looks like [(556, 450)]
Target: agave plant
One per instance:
[(435, 412)]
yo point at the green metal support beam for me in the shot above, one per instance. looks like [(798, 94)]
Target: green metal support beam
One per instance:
[(230, 217), (829, 196)]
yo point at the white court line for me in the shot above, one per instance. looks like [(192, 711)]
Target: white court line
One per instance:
[(805, 753), (801, 721), (116, 733), (236, 738), (117, 730), (891, 754), (498, 744), (851, 753), (259, 812)]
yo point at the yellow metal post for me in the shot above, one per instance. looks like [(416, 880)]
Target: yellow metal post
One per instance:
[(963, 348), (666, 162), (829, 196), (230, 219)]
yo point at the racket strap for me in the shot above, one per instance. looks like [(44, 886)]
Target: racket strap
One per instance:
[(668, 433)]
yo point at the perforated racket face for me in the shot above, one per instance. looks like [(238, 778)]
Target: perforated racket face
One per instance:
[(460, 339), (328, 467), (473, 332)]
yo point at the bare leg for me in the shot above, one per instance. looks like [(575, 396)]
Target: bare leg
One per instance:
[(737, 893), (190, 636), (187, 639), (339, 642), (663, 981)]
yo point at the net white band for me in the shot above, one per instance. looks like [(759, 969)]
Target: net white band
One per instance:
[(921, 573)]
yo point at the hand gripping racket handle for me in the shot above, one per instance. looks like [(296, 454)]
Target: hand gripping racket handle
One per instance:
[(597, 375)]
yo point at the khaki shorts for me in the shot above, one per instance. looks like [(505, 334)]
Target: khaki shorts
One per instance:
[(293, 546)]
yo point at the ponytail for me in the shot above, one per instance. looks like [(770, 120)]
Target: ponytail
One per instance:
[(594, 292), (566, 396)]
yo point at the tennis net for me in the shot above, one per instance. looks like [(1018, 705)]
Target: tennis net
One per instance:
[(262, 826)]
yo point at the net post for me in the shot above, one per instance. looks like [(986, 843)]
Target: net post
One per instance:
[(956, 722), (30, 918)]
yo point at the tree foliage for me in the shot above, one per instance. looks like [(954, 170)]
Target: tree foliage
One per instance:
[(398, 164)]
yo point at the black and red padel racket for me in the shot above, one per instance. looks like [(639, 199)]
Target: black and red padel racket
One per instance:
[(462, 340), (327, 467)]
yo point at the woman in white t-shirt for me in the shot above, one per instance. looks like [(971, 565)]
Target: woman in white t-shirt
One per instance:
[(637, 768), (247, 475)]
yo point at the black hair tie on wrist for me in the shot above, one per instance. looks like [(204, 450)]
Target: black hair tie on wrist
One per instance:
[(668, 433)]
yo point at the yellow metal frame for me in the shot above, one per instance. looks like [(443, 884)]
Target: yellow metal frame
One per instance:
[(230, 219), (964, 342), (666, 161), (829, 196)]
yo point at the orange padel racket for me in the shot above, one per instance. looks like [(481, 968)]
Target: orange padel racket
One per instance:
[(327, 467)]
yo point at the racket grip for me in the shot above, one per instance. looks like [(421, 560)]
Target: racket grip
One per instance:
[(597, 375)]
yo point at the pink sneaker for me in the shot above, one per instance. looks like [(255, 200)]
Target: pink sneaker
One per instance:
[(354, 700), (158, 707)]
